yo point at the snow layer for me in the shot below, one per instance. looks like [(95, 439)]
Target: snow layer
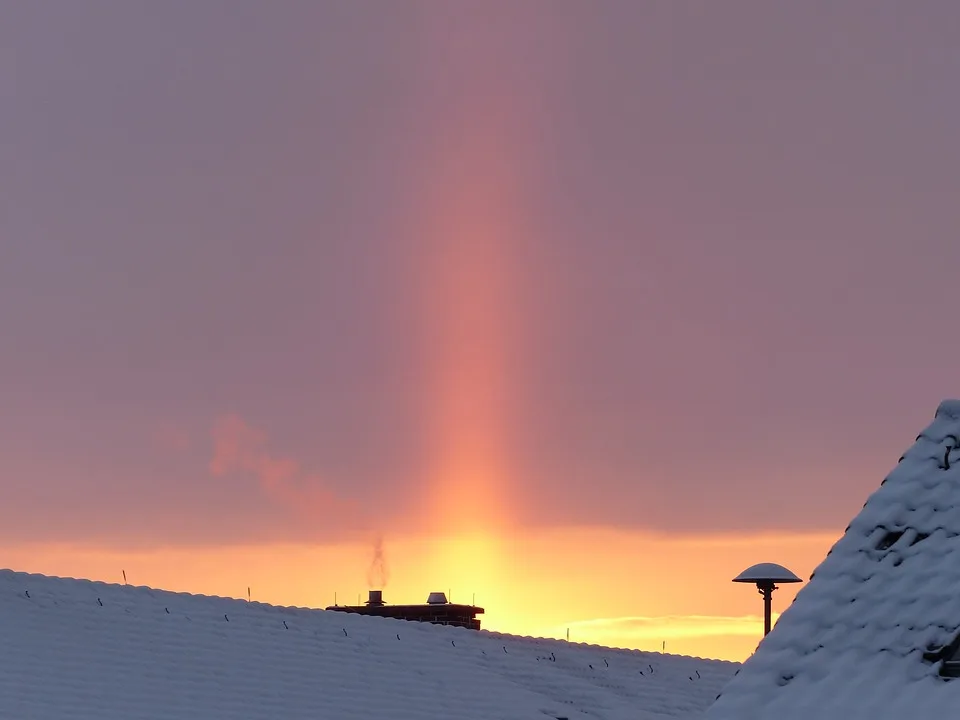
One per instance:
[(81, 649), (860, 640)]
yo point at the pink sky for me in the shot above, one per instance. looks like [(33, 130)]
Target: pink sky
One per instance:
[(297, 273)]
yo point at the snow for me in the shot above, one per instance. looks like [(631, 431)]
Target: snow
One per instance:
[(852, 644), (81, 649), (767, 571)]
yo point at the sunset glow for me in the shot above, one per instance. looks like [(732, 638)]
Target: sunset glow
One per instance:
[(576, 312), (470, 215), (539, 584)]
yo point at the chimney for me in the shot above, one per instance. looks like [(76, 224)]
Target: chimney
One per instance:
[(437, 598), (376, 598)]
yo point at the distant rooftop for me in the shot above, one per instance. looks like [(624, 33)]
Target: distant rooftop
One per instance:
[(435, 610)]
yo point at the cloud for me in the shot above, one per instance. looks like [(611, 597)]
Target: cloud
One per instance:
[(239, 448), (633, 629)]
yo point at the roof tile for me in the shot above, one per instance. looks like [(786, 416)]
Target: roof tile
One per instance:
[(74, 649)]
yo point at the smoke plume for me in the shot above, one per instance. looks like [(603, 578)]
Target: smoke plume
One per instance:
[(378, 574)]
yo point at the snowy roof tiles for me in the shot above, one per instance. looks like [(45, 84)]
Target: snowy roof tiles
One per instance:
[(78, 649), (869, 635)]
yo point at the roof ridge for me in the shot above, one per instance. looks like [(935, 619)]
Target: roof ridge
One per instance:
[(876, 607), (949, 408)]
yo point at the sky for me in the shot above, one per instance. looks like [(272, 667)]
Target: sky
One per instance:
[(579, 308)]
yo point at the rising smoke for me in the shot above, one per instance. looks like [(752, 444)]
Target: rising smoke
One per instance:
[(378, 574)]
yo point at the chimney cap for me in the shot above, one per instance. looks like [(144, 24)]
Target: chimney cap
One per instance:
[(437, 598)]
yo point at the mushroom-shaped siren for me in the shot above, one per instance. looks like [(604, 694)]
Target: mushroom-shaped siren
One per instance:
[(766, 576), (767, 572)]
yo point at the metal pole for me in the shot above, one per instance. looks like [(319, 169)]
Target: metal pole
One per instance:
[(767, 602), (766, 589)]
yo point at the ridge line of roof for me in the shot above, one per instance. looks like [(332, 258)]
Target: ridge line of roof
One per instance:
[(949, 408)]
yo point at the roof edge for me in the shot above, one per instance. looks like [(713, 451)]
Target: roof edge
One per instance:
[(949, 408)]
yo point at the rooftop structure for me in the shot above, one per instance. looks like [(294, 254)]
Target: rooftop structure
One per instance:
[(436, 610), (875, 632)]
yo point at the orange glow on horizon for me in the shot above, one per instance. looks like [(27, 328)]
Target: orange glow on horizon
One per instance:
[(618, 588)]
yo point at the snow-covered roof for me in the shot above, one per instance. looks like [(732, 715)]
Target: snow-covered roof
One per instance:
[(80, 649), (873, 632)]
